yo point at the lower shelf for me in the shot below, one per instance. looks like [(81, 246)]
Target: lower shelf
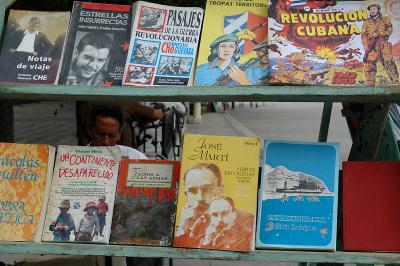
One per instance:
[(142, 251)]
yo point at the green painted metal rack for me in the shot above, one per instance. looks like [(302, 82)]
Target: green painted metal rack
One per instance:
[(372, 139)]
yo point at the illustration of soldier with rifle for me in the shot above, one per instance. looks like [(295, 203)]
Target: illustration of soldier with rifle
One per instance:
[(375, 34)]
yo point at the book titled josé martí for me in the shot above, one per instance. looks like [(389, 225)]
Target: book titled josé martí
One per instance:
[(298, 197), (163, 45), (334, 42), (82, 194), (96, 45), (25, 174), (217, 193), (145, 203), (32, 46)]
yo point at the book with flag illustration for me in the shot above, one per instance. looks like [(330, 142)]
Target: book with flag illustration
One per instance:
[(32, 46), (218, 193), (334, 42), (233, 47), (145, 203), (163, 45), (25, 173), (96, 45), (298, 197), (82, 194), (370, 206)]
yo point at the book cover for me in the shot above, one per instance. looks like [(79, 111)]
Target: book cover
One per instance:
[(82, 194), (145, 203), (370, 206), (233, 48), (31, 48), (97, 44), (217, 193), (298, 197), (334, 42), (25, 174), (163, 45)]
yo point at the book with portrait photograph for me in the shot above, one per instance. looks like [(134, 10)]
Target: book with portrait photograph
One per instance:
[(82, 194), (217, 197), (96, 44), (163, 44), (370, 206), (32, 49), (298, 197), (145, 203), (25, 172), (233, 47), (338, 43)]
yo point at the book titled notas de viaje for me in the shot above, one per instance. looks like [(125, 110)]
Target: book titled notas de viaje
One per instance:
[(298, 197), (217, 193), (163, 44), (96, 45), (32, 46), (25, 179), (334, 42), (82, 194), (145, 203)]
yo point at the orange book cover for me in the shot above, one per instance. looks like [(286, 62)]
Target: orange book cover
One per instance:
[(218, 193), (25, 175)]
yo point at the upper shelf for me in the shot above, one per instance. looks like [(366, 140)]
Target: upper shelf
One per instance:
[(196, 93)]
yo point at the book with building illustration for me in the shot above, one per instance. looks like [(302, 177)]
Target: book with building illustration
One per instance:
[(233, 48), (370, 206), (334, 42), (31, 49), (82, 194), (163, 44), (25, 173), (217, 193), (96, 44), (145, 203), (298, 197)]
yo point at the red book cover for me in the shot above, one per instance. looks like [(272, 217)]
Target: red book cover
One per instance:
[(370, 206)]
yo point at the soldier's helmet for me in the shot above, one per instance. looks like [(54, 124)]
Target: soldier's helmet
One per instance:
[(375, 5), (64, 204), (260, 46), (218, 41)]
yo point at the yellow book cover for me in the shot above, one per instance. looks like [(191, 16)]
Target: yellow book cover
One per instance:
[(218, 193), (25, 179), (233, 46)]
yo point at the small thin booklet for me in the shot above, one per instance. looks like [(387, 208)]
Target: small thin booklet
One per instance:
[(163, 45), (25, 173), (298, 197), (82, 194), (145, 203)]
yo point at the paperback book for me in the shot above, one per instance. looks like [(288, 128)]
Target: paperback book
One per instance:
[(334, 42), (218, 193), (163, 45), (97, 44), (233, 48), (25, 174), (370, 206), (298, 197), (145, 203), (31, 49), (82, 194)]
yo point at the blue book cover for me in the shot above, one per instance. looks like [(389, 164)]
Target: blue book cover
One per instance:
[(297, 205)]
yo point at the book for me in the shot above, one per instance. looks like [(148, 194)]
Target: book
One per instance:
[(233, 48), (82, 194), (370, 204), (163, 44), (217, 196), (31, 49), (298, 197), (25, 173), (333, 43), (145, 203), (97, 44)]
